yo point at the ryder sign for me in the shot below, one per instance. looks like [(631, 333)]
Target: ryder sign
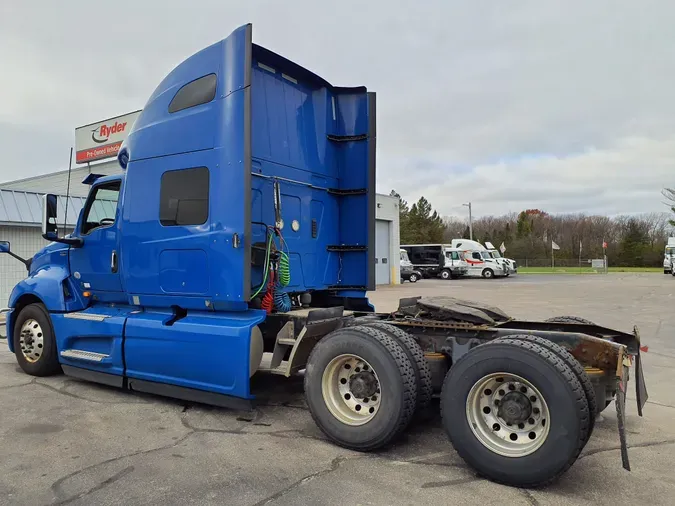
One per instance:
[(102, 139)]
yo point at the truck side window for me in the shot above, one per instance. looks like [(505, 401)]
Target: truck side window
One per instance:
[(476, 255), (184, 197), (200, 91), (101, 207)]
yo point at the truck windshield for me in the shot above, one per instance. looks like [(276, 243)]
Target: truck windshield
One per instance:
[(670, 251), (495, 254)]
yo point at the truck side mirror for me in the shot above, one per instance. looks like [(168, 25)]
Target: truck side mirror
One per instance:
[(50, 229), (49, 225), (4, 246)]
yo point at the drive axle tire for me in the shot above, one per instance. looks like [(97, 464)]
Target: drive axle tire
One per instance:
[(569, 319), (417, 359), (34, 343), (573, 364), (515, 412), (360, 387)]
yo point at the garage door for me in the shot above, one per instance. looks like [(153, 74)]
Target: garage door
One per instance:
[(382, 260)]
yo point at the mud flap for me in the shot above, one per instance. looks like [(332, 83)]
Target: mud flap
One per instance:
[(620, 402), (640, 388)]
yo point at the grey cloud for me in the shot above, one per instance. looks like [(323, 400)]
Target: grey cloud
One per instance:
[(564, 105)]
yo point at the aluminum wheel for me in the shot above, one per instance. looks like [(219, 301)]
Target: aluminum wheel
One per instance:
[(31, 340), (351, 389), (507, 414)]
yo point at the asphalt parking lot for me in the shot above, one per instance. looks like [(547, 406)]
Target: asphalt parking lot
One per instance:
[(64, 441)]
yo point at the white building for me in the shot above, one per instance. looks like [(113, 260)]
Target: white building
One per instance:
[(21, 214)]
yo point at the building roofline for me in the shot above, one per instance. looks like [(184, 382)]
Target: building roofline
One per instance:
[(47, 174)]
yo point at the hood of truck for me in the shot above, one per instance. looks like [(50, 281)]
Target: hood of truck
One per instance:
[(53, 254)]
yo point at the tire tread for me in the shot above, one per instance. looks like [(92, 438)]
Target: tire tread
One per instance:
[(577, 392), (406, 372), (573, 364), (569, 319), (417, 359)]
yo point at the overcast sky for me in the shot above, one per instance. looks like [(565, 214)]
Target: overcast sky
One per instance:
[(567, 106)]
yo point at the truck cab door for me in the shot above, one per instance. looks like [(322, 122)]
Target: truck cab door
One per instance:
[(95, 265)]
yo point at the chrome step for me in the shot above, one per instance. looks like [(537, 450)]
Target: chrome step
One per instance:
[(84, 355), (86, 316)]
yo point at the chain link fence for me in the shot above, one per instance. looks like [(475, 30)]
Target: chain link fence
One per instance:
[(561, 264)]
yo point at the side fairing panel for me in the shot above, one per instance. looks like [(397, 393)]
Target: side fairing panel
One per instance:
[(204, 351), (317, 143)]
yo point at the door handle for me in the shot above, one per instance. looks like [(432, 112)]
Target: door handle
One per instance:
[(113, 261)]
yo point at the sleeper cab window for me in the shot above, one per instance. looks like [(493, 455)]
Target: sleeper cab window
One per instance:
[(184, 197), (197, 92)]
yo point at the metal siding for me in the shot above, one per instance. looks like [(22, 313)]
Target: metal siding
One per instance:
[(25, 242), (382, 253), (21, 208)]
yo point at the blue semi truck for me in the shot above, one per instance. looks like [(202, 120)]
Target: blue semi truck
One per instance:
[(239, 241)]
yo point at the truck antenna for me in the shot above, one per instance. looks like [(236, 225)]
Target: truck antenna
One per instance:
[(70, 165)]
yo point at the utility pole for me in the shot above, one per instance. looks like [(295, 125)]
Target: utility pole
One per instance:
[(470, 222)]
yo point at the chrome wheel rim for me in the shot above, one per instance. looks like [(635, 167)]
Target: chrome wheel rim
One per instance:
[(508, 415), (351, 390), (31, 340)]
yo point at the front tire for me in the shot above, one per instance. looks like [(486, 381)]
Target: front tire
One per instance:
[(547, 410), (488, 273), (446, 274), (34, 343), (360, 387), (413, 278)]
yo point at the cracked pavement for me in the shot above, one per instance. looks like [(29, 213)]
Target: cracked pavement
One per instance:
[(65, 441)]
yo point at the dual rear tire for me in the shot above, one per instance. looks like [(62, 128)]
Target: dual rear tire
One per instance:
[(364, 384), (516, 411)]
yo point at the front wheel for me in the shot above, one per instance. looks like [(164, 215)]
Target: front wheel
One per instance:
[(515, 412), (413, 278), (360, 387), (488, 273), (34, 343), (446, 274)]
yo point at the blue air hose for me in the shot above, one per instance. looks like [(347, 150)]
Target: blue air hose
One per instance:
[(282, 301)]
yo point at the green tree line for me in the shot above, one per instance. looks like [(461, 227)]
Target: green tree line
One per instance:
[(632, 241)]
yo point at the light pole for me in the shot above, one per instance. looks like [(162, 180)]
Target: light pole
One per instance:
[(470, 223)]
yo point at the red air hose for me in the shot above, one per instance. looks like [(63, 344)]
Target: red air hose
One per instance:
[(268, 300)]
